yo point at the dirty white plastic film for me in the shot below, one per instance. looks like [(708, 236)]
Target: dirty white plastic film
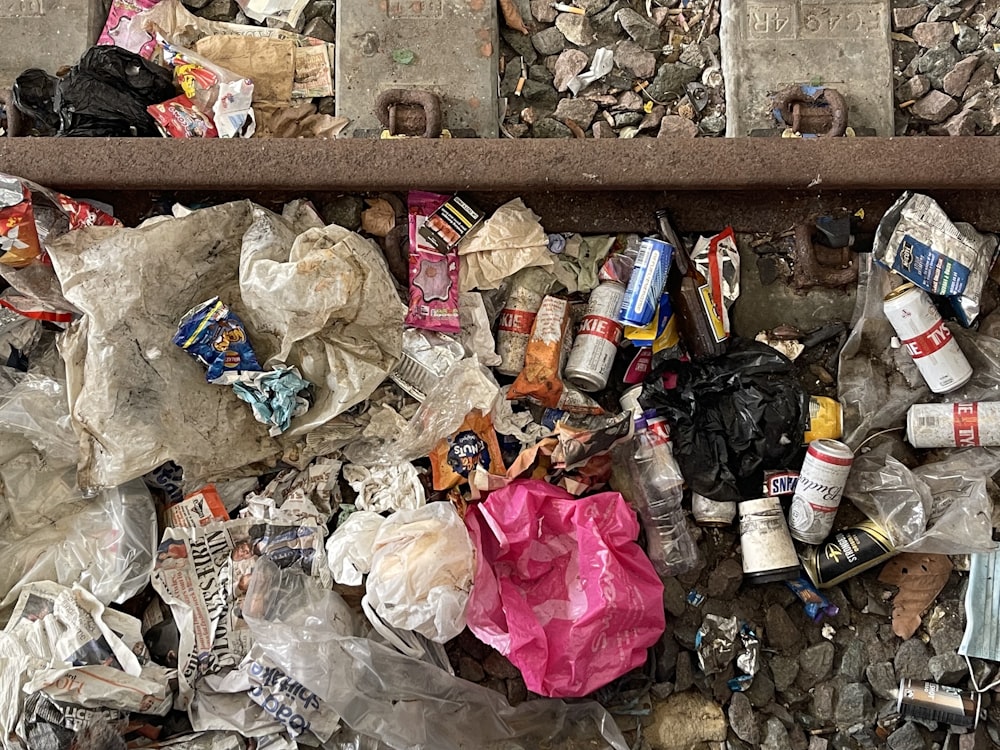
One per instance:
[(982, 612)]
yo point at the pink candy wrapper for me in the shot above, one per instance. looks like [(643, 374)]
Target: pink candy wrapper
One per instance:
[(122, 30), (433, 275), (561, 587)]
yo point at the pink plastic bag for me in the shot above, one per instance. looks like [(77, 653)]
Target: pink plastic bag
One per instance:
[(561, 587)]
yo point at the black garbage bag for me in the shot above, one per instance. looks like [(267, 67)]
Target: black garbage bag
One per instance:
[(731, 418), (34, 93), (105, 94)]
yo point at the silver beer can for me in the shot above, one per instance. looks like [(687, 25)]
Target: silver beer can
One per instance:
[(964, 425), (819, 489), (768, 550), (708, 512), (597, 341), (927, 339)]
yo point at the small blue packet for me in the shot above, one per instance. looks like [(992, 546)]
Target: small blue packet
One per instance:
[(215, 336)]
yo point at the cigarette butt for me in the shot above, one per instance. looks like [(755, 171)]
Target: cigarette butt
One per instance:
[(520, 85), (640, 86), (562, 7), (910, 103)]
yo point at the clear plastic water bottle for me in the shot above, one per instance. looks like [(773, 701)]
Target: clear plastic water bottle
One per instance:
[(658, 488)]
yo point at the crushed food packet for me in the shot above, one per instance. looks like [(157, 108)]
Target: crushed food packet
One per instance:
[(917, 240), (274, 396), (718, 260), (814, 603), (180, 117), (539, 380), (433, 291), (473, 446), (215, 336)]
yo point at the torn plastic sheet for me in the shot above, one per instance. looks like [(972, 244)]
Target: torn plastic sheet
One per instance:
[(476, 335), (600, 66), (322, 301), (511, 239), (136, 400), (877, 384), (421, 572), (467, 386), (940, 508), (400, 700), (349, 549)]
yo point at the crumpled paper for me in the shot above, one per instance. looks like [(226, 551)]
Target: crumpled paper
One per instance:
[(324, 302), (476, 335), (273, 396), (349, 549), (382, 488), (511, 239), (579, 260)]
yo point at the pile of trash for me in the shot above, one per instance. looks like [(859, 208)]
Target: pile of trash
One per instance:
[(158, 70), (260, 473)]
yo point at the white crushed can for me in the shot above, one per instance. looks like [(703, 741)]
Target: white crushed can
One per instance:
[(964, 425), (819, 489), (597, 341), (708, 512), (927, 339), (768, 550)]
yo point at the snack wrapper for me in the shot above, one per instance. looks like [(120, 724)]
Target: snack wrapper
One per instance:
[(540, 380), (433, 303), (180, 117), (212, 334), (473, 446), (449, 224)]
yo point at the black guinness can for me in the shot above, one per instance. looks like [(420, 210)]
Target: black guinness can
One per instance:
[(847, 553), (932, 702)]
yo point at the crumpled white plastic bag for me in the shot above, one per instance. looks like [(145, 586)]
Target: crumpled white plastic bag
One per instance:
[(326, 302), (349, 548), (421, 573), (387, 487), (508, 241)]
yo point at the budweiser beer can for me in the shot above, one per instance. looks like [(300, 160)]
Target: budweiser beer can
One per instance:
[(817, 493), (953, 425), (927, 339), (596, 342), (932, 702), (768, 550)]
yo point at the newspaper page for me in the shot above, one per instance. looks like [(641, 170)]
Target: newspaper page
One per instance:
[(203, 574), (93, 657)]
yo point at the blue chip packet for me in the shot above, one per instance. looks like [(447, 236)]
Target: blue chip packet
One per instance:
[(215, 336)]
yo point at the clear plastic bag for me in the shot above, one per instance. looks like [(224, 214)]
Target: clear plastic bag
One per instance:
[(877, 384), (404, 702), (940, 508)]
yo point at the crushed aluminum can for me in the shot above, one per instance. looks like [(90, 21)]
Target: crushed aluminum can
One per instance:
[(847, 553), (768, 551), (962, 425), (715, 643), (941, 362)]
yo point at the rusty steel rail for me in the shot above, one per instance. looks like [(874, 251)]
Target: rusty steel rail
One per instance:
[(524, 166)]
